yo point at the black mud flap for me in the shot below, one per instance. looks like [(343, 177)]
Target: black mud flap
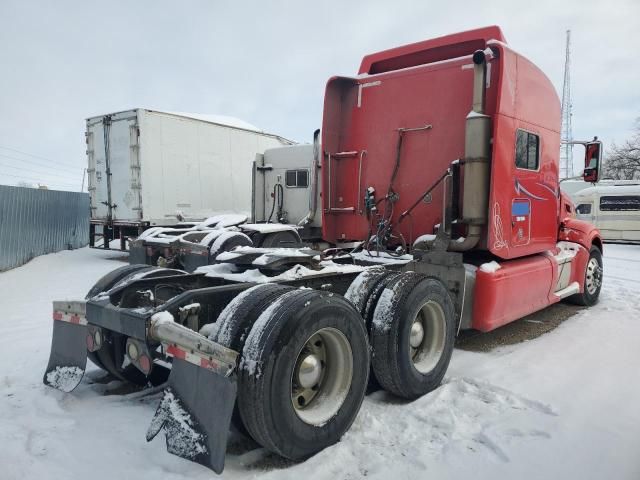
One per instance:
[(195, 413), (68, 357)]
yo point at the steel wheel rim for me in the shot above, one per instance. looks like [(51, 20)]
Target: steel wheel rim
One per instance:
[(594, 276), (427, 337), (321, 376)]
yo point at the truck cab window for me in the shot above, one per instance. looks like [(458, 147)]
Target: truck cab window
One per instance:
[(297, 178), (527, 150), (583, 209)]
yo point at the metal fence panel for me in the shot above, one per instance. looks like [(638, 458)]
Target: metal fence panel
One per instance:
[(36, 222)]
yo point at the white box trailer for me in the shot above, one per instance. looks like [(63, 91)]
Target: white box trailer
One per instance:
[(148, 167)]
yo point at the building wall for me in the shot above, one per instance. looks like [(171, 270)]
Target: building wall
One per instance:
[(36, 222)]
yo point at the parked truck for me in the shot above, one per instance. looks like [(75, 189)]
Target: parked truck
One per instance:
[(284, 199), (286, 188), (447, 149), (149, 168), (613, 207)]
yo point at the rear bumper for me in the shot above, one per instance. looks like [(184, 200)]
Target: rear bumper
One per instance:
[(102, 313)]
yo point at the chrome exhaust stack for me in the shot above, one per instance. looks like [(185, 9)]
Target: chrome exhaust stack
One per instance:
[(477, 155)]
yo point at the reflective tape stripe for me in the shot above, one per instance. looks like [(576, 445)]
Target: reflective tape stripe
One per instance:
[(69, 317), (201, 361)]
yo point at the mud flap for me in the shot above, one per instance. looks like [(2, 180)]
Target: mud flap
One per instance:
[(68, 357), (195, 413)]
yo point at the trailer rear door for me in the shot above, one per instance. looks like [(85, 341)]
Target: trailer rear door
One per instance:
[(114, 168)]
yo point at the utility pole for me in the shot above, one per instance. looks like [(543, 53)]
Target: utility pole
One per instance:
[(566, 133)]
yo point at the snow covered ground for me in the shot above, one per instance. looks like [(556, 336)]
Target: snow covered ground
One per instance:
[(565, 405)]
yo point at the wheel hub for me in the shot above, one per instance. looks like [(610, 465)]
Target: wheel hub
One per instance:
[(417, 334), (321, 376), (427, 337), (594, 276), (309, 371)]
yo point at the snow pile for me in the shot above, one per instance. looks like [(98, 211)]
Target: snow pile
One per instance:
[(162, 317), (490, 267), (381, 257), (276, 252), (65, 378), (183, 438), (224, 120), (222, 221), (231, 272), (265, 228), (271, 257), (149, 232)]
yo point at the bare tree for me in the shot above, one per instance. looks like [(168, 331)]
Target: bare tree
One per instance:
[(623, 162)]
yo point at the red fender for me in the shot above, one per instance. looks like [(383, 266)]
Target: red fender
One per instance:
[(580, 232)]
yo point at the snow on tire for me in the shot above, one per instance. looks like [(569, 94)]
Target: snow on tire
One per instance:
[(285, 239), (235, 321), (106, 282), (412, 335), (227, 241), (303, 373), (366, 288)]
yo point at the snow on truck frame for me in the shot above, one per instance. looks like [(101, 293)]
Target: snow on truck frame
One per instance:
[(189, 246), (291, 340)]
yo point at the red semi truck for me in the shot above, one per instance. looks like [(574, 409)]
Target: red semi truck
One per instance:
[(447, 149)]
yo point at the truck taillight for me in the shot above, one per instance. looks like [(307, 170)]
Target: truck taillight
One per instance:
[(144, 363)]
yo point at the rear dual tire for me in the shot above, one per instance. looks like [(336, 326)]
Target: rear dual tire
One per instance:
[(304, 367), (412, 326), (273, 374), (412, 336)]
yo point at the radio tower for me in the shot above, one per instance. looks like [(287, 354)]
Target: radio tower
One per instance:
[(566, 134)]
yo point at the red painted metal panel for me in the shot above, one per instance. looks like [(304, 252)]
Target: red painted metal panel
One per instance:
[(534, 107), (518, 288), (364, 115), (429, 51)]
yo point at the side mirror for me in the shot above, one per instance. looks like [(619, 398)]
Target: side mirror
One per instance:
[(592, 157)]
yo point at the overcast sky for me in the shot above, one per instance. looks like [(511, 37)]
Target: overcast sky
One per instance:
[(267, 62)]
